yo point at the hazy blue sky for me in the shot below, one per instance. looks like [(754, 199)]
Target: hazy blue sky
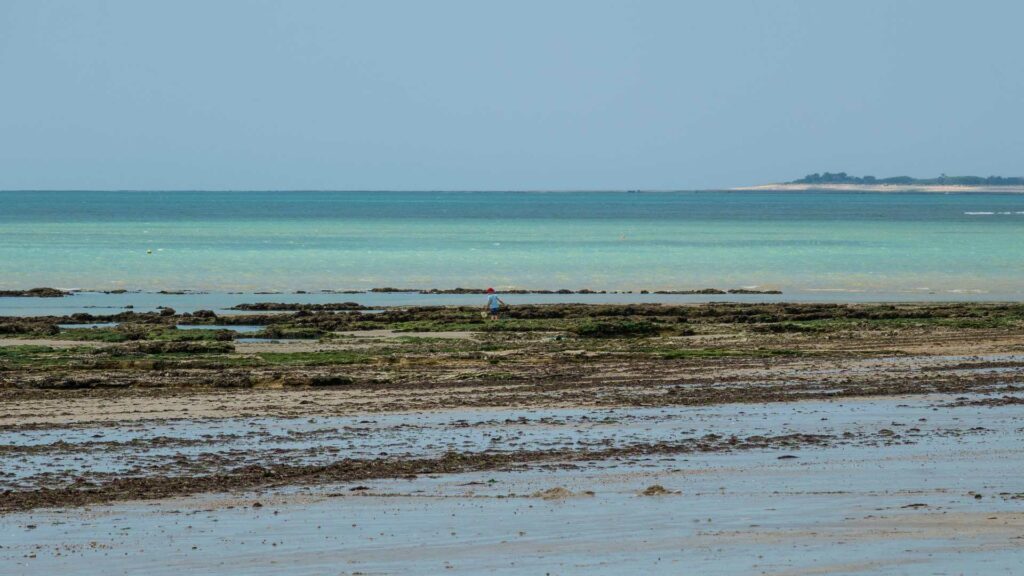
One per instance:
[(511, 95)]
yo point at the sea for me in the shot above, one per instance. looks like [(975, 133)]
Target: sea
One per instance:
[(812, 245)]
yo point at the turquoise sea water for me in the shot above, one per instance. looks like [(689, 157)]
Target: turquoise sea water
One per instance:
[(236, 241)]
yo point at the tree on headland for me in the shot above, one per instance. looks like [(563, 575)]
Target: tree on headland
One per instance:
[(844, 178)]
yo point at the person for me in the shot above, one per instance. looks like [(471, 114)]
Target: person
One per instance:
[(494, 303)]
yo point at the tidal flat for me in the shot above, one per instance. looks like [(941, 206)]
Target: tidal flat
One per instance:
[(564, 438)]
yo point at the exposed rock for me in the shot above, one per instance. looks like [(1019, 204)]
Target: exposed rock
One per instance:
[(656, 490), (701, 291), (35, 293), (317, 380), (164, 347), (330, 306), (33, 327), (556, 493)]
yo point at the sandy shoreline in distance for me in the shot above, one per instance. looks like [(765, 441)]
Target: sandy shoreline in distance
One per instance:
[(880, 188)]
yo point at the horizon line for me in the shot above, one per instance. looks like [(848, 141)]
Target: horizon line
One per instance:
[(421, 190), (759, 189)]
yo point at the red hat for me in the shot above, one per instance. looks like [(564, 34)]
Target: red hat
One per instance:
[(490, 290)]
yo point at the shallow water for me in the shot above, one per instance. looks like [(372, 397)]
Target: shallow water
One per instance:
[(99, 304), (878, 243), (240, 328), (841, 510)]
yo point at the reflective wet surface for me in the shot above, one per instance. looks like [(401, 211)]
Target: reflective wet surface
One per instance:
[(920, 487)]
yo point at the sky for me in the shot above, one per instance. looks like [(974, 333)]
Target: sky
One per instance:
[(525, 95)]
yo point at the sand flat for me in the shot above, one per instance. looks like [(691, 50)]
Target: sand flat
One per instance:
[(942, 503)]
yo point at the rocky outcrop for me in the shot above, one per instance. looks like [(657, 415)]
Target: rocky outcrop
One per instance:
[(168, 347), (28, 327), (328, 307), (35, 293)]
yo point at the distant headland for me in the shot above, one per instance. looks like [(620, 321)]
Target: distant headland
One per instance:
[(841, 181)]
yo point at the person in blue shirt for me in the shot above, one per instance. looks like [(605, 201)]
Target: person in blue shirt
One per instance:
[(494, 303)]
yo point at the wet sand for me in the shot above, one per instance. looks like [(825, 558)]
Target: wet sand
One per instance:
[(774, 440), (945, 499)]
